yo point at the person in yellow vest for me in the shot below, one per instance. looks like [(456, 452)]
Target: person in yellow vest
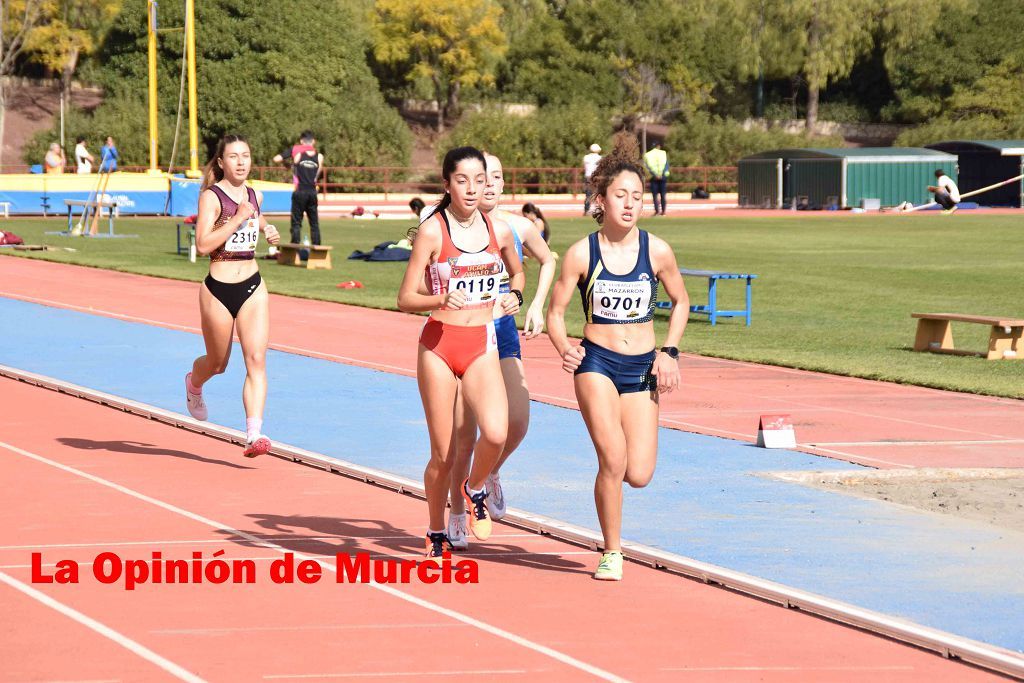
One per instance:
[(656, 162)]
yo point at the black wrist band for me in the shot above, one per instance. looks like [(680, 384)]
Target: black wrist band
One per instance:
[(519, 295)]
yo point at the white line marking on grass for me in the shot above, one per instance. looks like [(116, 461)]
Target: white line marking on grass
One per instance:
[(102, 629), (425, 604)]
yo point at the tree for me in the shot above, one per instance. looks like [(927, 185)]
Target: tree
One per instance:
[(267, 75), (18, 18), (72, 28), (830, 36), (453, 44)]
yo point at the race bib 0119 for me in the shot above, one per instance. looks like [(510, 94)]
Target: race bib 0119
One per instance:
[(479, 289)]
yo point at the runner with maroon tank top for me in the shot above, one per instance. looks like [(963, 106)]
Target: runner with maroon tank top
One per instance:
[(233, 297)]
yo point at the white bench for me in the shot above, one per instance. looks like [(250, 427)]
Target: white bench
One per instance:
[(87, 206)]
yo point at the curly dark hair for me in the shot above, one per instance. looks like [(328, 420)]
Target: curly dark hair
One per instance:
[(624, 158)]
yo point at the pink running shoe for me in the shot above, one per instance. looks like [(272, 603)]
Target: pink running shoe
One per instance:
[(196, 404)]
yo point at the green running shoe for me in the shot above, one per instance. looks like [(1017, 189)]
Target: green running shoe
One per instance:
[(610, 567)]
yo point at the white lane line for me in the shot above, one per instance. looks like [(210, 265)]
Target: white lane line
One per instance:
[(213, 631), (290, 538), (426, 604), (857, 458), (102, 629), (402, 674), (789, 668)]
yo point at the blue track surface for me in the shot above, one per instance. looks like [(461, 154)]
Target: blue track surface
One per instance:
[(706, 500)]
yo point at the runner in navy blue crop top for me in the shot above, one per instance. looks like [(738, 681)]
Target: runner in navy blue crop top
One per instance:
[(610, 299), (617, 374)]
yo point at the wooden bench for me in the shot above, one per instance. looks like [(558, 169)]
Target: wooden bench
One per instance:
[(934, 334), (319, 256), (711, 308)]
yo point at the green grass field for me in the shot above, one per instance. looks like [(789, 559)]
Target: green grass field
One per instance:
[(834, 294)]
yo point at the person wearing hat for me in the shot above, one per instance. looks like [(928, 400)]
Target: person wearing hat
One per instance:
[(590, 162)]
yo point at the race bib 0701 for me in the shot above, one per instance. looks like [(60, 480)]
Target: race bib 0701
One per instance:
[(245, 237), (621, 300)]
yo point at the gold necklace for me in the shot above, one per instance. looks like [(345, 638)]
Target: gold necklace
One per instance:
[(472, 218)]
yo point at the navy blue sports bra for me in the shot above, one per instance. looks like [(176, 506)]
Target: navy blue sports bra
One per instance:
[(610, 299)]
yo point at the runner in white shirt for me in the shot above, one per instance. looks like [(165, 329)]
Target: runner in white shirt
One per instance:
[(946, 192)]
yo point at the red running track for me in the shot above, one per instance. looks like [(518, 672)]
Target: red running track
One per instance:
[(81, 479), (862, 421)]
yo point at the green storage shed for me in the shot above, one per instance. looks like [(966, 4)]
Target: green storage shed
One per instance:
[(987, 162), (844, 177)]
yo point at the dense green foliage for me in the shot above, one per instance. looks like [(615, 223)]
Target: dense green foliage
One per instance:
[(267, 71), (834, 293), (955, 68)]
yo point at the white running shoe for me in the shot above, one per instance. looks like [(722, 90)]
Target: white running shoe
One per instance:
[(457, 531), (496, 497), (196, 404)]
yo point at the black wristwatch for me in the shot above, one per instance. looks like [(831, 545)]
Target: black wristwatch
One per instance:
[(672, 352), (519, 295)]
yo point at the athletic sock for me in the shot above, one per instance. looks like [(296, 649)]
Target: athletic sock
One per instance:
[(431, 531), (192, 388), (253, 427), (474, 492)]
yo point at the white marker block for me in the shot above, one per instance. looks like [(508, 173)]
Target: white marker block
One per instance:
[(776, 431)]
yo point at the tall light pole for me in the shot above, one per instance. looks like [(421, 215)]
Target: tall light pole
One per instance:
[(193, 122)]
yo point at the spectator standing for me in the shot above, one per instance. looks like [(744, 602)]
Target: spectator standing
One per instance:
[(656, 162), (590, 162), (307, 166), (82, 157)]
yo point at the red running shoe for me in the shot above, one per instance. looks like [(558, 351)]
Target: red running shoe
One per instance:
[(261, 446)]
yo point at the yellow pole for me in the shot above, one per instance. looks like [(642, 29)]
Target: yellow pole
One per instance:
[(193, 122), (153, 133)]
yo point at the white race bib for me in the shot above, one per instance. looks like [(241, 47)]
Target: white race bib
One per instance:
[(624, 301), (479, 289), (245, 237)]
